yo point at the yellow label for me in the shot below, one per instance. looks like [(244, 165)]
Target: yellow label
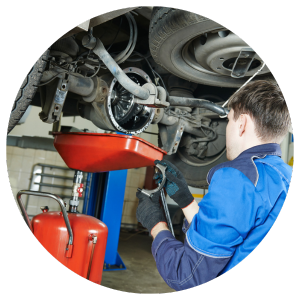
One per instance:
[(198, 195), (291, 162)]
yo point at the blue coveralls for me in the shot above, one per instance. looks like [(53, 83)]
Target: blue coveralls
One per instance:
[(244, 198)]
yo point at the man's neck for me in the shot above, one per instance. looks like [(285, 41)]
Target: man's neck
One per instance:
[(254, 142), (250, 144)]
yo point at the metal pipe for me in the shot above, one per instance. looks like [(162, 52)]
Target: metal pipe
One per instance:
[(48, 195), (99, 49), (192, 102), (24, 213), (77, 84), (87, 192), (94, 239), (81, 86), (77, 184)]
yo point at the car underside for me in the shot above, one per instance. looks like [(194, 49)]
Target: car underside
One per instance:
[(186, 65)]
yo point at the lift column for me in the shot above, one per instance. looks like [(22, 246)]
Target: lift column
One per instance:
[(111, 213), (106, 203)]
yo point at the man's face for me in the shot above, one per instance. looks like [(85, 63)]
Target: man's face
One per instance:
[(232, 137)]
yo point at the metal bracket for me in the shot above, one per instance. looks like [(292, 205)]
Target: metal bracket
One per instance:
[(153, 100), (173, 137), (54, 101), (243, 62)]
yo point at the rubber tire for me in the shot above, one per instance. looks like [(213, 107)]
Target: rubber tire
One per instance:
[(27, 91), (170, 29)]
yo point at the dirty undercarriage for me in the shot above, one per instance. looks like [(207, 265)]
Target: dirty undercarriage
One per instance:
[(134, 67)]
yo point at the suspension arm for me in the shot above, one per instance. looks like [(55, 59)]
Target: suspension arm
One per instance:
[(98, 48), (192, 102)]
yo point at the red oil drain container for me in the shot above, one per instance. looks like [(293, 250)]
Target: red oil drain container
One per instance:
[(77, 241), (102, 152)]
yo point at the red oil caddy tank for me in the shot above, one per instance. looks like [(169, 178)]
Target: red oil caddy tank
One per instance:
[(77, 241), (51, 231)]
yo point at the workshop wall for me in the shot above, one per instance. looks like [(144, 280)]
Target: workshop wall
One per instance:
[(135, 179), (20, 163)]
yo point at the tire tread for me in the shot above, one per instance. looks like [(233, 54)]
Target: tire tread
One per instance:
[(168, 23), (27, 91), (165, 22)]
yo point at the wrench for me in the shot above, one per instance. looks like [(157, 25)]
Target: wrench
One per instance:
[(149, 193)]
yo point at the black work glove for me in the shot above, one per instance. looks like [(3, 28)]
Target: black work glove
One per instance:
[(176, 186), (148, 211)]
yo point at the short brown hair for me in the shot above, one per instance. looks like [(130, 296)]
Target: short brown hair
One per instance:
[(264, 102)]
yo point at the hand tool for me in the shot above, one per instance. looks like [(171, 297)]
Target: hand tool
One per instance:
[(149, 193)]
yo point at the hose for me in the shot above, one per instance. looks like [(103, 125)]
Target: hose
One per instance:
[(135, 33), (121, 55)]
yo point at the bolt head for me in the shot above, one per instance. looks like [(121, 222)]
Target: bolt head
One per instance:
[(85, 40)]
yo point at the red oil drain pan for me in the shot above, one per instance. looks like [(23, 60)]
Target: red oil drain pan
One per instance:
[(101, 152)]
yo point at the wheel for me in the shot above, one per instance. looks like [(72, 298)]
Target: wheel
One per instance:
[(195, 158), (198, 49), (27, 91), (195, 173)]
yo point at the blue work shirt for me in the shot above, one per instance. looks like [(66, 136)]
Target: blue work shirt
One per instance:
[(244, 198)]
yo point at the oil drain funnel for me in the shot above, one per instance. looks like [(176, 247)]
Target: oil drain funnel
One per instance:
[(101, 152)]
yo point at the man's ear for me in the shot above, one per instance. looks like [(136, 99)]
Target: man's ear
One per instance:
[(242, 124)]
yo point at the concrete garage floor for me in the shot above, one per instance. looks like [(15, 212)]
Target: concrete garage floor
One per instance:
[(141, 275)]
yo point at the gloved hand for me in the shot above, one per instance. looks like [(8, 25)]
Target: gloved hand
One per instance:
[(176, 186), (148, 211)]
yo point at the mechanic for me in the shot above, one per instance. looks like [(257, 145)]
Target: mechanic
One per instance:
[(244, 198)]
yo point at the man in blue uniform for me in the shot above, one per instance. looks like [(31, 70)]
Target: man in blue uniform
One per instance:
[(244, 198)]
